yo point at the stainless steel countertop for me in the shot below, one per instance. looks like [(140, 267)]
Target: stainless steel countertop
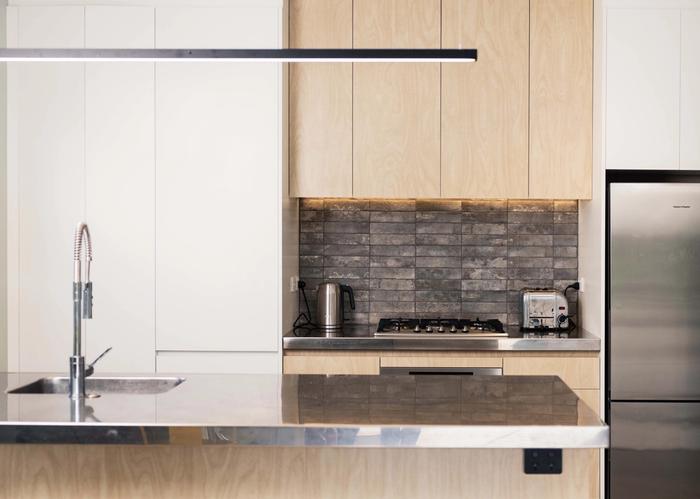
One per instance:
[(305, 410), (362, 338)]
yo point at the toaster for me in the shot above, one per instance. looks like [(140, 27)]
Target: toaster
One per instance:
[(544, 309)]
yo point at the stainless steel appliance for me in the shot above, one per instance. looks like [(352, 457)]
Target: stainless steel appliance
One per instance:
[(544, 309), (440, 328), (654, 335), (330, 305)]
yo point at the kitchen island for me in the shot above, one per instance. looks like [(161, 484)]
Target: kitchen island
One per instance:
[(300, 436)]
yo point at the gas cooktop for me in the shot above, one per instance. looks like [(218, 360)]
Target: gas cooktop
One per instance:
[(440, 328)]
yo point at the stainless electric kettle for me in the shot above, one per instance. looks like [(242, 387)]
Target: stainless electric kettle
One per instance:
[(330, 308)]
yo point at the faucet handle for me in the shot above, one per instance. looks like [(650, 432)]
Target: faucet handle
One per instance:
[(91, 367), (87, 301)]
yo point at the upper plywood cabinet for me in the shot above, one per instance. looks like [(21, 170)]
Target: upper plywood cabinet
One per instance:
[(320, 101), (515, 124), (396, 107), (484, 105), (561, 98)]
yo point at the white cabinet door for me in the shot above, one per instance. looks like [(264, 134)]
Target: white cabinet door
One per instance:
[(45, 187), (690, 90), (218, 189), (120, 190), (643, 89)]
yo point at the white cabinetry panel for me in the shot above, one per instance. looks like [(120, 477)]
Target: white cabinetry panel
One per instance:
[(120, 190), (46, 179), (643, 88), (690, 90), (218, 192)]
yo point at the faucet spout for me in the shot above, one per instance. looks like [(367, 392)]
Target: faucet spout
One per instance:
[(82, 308)]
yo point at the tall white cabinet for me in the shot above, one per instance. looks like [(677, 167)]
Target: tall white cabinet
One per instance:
[(179, 169), (652, 84)]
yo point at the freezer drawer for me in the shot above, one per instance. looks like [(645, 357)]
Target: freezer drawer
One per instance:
[(655, 291), (655, 450)]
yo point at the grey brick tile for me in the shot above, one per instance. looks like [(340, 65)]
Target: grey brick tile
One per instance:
[(345, 216), (530, 251), (565, 240), (437, 284), (530, 205), (437, 261), (311, 226), (438, 205), (472, 217), (437, 228), (484, 240), (439, 216), (311, 249), (392, 307), (311, 261), (484, 296), (531, 229), (439, 239), (392, 205), (484, 251), (427, 309), (345, 273), (481, 262), (399, 250), (392, 284), (388, 239), (484, 205), (310, 237), (565, 229), (565, 263), (530, 240), (484, 285), (346, 227), (438, 295), (521, 273), (566, 251), (343, 238), (489, 229), (438, 251), (391, 295), (311, 216), (346, 204), (438, 273), (392, 228), (310, 204), (566, 218), (345, 249), (530, 262), (393, 216), (391, 261), (392, 273), (346, 261), (481, 273), (571, 274)]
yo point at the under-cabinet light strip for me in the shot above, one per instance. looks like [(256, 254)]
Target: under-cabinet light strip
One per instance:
[(242, 55)]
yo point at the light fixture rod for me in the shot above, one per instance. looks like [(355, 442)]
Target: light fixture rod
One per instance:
[(243, 55)]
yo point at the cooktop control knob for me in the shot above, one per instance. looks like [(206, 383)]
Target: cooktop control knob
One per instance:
[(417, 328), (441, 329), (428, 329), (465, 329), (453, 329)]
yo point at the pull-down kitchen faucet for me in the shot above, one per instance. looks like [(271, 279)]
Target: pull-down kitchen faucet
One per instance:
[(82, 309)]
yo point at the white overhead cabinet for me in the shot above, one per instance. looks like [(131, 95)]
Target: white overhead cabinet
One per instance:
[(652, 101), (690, 89), (218, 185), (643, 89), (178, 169)]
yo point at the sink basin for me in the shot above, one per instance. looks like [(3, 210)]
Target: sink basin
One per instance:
[(97, 385)]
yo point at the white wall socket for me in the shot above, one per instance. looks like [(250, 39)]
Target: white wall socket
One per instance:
[(294, 283)]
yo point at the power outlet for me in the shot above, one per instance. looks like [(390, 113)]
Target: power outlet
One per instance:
[(294, 284), (581, 285), (543, 461)]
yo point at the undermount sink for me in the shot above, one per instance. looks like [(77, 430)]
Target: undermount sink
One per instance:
[(100, 386)]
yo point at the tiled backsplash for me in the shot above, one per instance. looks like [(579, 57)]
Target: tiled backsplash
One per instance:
[(469, 258)]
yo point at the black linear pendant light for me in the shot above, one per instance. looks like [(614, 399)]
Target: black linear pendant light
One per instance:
[(246, 55)]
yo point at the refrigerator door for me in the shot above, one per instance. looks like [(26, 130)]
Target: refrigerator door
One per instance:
[(655, 291), (655, 450)]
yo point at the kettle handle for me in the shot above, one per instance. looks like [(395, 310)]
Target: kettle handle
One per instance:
[(348, 290)]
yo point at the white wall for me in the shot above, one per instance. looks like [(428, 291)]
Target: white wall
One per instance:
[(3, 199)]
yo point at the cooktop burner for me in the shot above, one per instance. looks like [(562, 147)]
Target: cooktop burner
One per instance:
[(440, 327)]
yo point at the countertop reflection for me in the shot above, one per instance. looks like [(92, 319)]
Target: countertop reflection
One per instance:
[(430, 411)]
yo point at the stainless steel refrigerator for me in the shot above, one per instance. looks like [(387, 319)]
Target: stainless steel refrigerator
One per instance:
[(654, 336)]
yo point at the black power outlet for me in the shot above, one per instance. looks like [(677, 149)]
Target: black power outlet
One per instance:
[(543, 461)]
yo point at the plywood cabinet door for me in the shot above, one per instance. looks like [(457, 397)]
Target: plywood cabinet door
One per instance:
[(45, 186), (561, 99), (484, 135), (642, 89), (218, 184), (396, 107), (320, 101), (690, 90)]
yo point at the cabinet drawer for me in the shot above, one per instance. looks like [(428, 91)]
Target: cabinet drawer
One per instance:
[(441, 362), (331, 365), (578, 373)]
